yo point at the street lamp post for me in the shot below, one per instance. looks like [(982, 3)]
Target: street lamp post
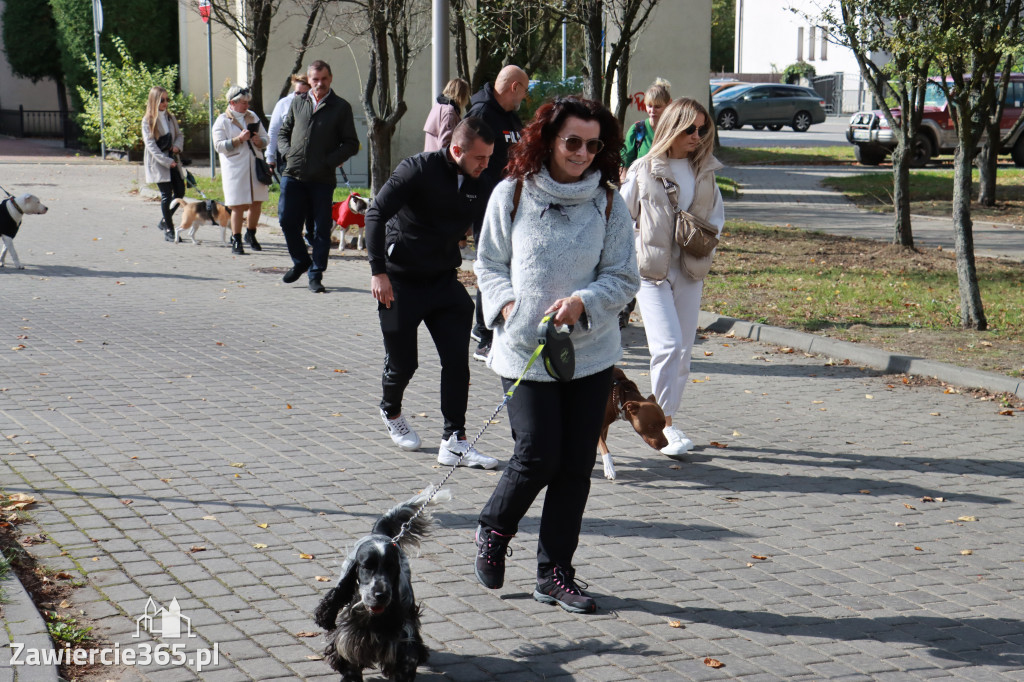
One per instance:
[(97, 28)]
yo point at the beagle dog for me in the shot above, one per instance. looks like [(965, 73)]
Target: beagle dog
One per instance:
[(194, 212)]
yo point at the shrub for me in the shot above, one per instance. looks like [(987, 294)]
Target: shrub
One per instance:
[(125, 90), (797, 70)]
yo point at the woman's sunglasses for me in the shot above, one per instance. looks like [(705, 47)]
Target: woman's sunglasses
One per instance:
[(164, 99), (701, 132), (573, 144)]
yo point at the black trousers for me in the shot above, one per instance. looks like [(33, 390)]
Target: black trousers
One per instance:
[(443, 304), (555, 427), (169, 191), (479, 325)]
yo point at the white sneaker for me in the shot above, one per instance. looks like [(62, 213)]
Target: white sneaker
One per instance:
[(678, 443), (451, 448), (401, 432)]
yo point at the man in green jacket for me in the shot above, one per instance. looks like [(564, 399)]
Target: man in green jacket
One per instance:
[(317, 136)]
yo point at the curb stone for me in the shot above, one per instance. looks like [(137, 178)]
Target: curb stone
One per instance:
[(891, 363), (23, 623)]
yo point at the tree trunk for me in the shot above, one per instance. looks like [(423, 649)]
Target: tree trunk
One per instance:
[(379, 134), (988, 166), (623, 99), (593, 30), (300, 55), (972, 313), (904, 235)]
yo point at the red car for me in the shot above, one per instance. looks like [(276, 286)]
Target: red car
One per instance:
[(870, 132)]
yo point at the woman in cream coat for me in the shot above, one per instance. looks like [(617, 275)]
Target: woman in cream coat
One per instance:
[(161, 167), (238, 150), (673, 281)]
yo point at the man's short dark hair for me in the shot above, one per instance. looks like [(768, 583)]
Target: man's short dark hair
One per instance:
[(320, 65), (469, 130)]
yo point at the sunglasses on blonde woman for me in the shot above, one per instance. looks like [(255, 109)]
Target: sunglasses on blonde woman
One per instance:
[(701, 132), (573, 144)]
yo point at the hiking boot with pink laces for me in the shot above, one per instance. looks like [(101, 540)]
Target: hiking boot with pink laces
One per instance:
[(559, 587), (492, 548)]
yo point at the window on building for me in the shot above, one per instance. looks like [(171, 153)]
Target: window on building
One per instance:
[(800, 44), (810, 45)]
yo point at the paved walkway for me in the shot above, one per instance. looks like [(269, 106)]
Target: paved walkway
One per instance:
[(195, 430), (793, 195)]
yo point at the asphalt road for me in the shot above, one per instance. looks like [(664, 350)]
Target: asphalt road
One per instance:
[(828, 134)]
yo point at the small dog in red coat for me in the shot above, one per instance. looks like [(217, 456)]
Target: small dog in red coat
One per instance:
[(350, 213)]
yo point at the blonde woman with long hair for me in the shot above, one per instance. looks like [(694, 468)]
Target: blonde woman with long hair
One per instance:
[(162, 140), (445, 114), (673, 280)]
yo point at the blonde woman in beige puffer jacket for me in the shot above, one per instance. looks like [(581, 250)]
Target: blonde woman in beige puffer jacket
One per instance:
[(673, 281)]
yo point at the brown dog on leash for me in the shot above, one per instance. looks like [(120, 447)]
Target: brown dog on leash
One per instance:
[(196, 213), (625, 401)]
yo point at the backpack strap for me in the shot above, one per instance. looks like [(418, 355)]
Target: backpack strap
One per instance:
[(515, 198)]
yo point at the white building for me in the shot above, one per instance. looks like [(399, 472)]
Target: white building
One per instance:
[(772, 34)]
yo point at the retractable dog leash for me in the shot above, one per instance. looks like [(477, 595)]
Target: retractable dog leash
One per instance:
[(555, 346), (5, 191)]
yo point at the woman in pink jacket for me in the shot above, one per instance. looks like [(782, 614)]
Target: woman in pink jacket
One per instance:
[(445, 115)]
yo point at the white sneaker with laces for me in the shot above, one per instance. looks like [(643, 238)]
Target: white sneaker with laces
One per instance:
[(678, 443), (401, 432), (452, 447)]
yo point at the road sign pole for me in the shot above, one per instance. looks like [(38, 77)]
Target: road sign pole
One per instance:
[(97, 28), (204, 12)]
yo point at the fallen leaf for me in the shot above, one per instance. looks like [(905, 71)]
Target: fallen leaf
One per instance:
[(869, 396), (750, 565), (909, 506), (18, 501), (697, 381), (759, 557), (926, 498), (127, 502), (713, 663), (260, 545), (967, 552), (237, 465), (307, 634), (918, 549), (935, 414), (341, 371), (288, 406), (303, 555), (165, 480), (940, 499), (817, 402), (220, 343), (899, 524), (1006, 413), (708, 353), (864, 492), (209, 518), (314, 657), (719, 445), (736, 433), (261, 525), (30, 540), (673, 466), (197, 548), (322, 579), (967, 518), (731, 335), (787, 349), (20, 346), (675, 624), (311, 367)]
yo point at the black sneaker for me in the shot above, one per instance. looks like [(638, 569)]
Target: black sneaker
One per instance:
[(482, 351), (250, 239), (492, 548), (560, 588), (236, 245), (295, 272), (316, 286), (169, 235)]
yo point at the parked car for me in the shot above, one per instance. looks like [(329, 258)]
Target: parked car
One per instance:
[(718, 86), (768, 104), (869, 130)]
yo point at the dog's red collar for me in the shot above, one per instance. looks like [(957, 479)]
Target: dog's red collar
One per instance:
[(14, 202)]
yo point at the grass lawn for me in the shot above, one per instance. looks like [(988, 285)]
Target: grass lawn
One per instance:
[(212, 188), (861, 290), (793, 156), (931, 193)]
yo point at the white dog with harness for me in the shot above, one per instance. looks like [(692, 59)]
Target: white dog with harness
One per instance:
[(11, 212)]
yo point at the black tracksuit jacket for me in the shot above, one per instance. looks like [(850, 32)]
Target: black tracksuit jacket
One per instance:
[(415, 223)]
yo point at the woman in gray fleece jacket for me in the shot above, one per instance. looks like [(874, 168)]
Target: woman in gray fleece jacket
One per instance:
[(565, 247)]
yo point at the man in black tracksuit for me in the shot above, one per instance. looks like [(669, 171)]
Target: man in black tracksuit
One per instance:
[(413, 230), (497, 106)]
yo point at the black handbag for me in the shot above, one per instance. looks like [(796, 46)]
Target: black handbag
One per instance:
[(263, 174), (163, 143)]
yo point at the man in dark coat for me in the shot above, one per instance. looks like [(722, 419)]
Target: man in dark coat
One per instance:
[(497, 106), (413, 247), (317, 136)]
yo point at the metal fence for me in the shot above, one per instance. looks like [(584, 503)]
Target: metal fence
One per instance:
[(830, 88), (22, 122)]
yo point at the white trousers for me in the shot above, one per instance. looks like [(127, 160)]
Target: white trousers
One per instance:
[(670, 309)]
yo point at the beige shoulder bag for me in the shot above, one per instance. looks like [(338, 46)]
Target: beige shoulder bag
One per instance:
[(695, 236)]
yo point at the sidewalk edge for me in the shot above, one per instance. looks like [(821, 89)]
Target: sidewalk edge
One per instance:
[(25, 625), (891, 363)]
